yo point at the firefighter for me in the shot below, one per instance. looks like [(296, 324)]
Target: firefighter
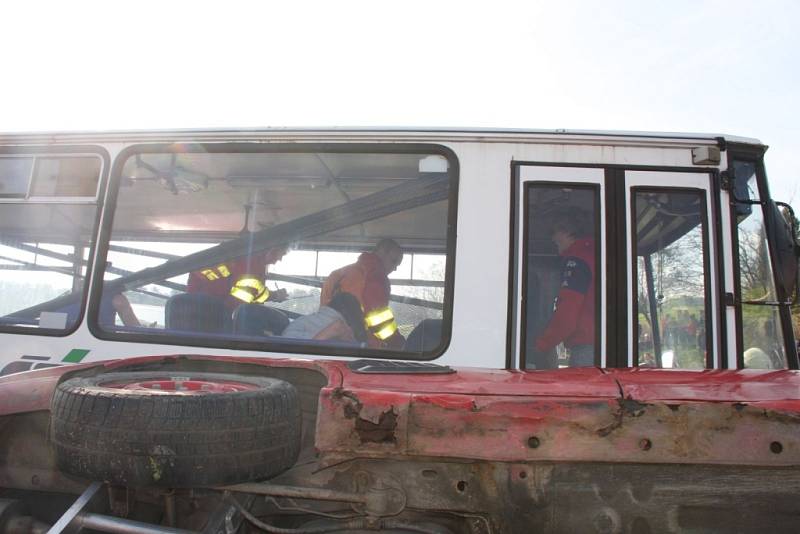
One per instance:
[(368, 280), (239, 281), (573, 321)]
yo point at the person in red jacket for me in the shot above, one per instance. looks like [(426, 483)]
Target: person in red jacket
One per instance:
[(368, 280), (573, 321)]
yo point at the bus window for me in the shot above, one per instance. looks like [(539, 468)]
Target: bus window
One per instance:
[(762, 334), (65, 177), (561, 293), (671, 278), (300, 252), (47, 220), (15, 174)]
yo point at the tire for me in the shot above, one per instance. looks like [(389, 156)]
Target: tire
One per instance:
[(116, 428)]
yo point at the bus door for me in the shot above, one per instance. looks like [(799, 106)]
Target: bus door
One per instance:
[(614, 267)]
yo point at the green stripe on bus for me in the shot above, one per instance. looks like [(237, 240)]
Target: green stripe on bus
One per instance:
[(75, 355)]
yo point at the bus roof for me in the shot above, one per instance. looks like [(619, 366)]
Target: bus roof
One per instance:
[(366, 133)]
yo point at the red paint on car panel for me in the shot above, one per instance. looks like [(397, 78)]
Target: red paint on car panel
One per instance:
[(575, 382), (518, 429), (712, 385), (584, 414), (32, 390), (505, 428)]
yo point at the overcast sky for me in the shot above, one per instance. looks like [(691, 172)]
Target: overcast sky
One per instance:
[(689, 66)]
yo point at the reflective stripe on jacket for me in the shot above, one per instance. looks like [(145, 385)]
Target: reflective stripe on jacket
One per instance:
[(240, 273)]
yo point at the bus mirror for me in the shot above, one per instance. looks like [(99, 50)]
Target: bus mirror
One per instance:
[(782, 232)]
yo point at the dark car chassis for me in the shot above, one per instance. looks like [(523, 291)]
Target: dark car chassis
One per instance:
[(425, 449)]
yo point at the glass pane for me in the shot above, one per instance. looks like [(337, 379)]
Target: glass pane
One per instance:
[(43, 249), (672, 300), (763, 337), (47, 223), (560, 298), (66, 177), (15, 174), (762, 334), (745, 185), (300, 250), (41, 284), (755, 266)]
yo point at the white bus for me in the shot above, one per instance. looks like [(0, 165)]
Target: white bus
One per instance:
[(556, 265)]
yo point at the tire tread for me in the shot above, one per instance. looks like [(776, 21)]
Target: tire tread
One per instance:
[(139, 439)]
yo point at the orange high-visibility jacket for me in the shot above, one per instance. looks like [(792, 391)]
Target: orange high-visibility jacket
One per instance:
[(366, 280)]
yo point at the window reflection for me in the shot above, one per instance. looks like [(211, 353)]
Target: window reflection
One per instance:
[(762, 334), (672, 294)]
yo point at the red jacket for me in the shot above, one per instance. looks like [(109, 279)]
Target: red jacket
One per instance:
[(573, 321)]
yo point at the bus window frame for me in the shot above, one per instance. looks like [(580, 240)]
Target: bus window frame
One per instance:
[(98, 201), (290, 348)]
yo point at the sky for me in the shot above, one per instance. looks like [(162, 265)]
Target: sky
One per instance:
[(687, 66)]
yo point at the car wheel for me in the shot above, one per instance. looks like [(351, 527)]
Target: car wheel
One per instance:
[(175, 428)]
